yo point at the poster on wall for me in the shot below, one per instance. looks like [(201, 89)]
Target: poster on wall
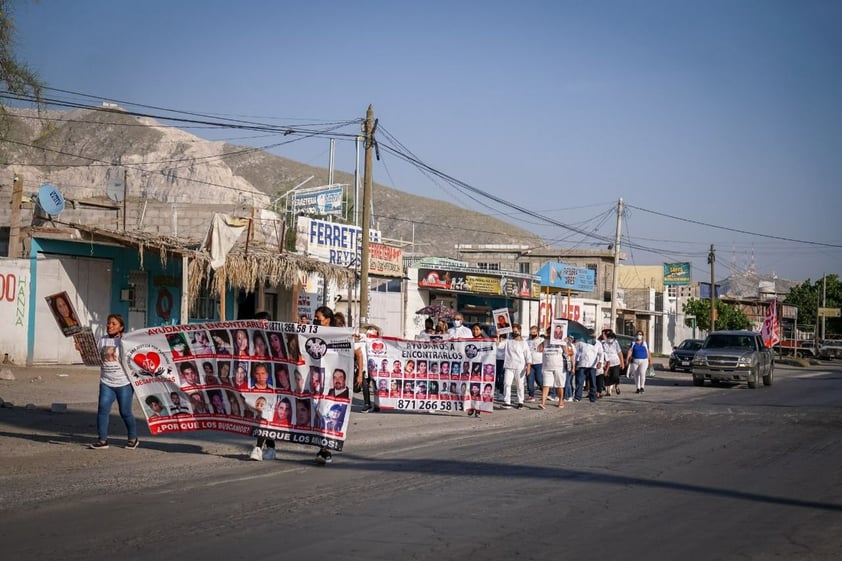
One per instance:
[(449, 376), (284, 381), (64, 313)]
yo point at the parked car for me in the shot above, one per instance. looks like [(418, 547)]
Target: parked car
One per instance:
[(625, 342), (682, 355), (734, 356)]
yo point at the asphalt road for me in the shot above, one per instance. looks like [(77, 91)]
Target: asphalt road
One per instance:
[(676, 473)]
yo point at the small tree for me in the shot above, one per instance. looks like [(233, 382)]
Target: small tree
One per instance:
[(16, 76), (807, 297), (727, 316)]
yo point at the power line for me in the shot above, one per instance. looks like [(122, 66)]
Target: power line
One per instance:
[(737, 230)]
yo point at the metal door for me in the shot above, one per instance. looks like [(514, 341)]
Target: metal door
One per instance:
[(88, 284), (139, 282)]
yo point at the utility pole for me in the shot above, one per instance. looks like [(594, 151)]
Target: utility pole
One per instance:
[(614, 280), (125, 192), (712, 261), (368, 172), (824, 305), (14, 226)]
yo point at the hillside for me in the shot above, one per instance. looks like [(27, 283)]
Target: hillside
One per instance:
[(83, 151)]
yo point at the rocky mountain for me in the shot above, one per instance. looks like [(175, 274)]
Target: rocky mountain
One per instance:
[(169, 170)]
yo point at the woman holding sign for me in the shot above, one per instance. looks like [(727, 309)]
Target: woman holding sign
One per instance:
[(114, 384)]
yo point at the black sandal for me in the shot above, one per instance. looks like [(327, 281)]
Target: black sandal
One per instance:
[(132, 444), (98, 445)]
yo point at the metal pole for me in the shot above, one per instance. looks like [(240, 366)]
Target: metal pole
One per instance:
[(330, 162), (614, 280)]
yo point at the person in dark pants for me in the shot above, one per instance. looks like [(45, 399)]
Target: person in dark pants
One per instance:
[(371, 332), (324, 316)]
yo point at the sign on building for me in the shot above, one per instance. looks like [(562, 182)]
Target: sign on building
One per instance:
[(677, 274), (322, 201), (331, 242)]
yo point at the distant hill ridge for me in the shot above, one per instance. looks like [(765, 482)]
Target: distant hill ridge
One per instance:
[(81, 151)]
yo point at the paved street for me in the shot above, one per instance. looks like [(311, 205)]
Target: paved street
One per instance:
[(676, 473)]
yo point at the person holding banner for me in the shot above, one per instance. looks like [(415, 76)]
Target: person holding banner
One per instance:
[(371, 332), (516, 363), (265, 447), (459, 331), (324, 316), (114, 384)]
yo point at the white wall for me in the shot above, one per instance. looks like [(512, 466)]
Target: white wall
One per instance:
[(88, 284), (14, 308), (415, 300)]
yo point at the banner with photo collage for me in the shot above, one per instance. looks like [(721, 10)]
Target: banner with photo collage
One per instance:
[(285, 381), (447, 375)]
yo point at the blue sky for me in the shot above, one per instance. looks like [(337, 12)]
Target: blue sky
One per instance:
[(721, 112)]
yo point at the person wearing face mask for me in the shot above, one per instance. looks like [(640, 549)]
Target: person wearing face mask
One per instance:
[(637, 358), (614, 363), (516, 363), (459, 329), (535, 374)]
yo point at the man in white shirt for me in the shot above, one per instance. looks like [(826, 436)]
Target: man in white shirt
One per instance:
[(535, 374), (459, 329), (588, 359), (516, 363)]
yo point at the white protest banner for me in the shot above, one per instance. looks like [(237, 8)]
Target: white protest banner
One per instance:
[(284, 381), (433, 375)]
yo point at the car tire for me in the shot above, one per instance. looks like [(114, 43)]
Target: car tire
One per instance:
[(752, 378), (768, 378), (672, 367), (698, 381)]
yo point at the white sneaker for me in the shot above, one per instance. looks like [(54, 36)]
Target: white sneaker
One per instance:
[(569, 399), (269, 454), (256, 454), (552, 398)]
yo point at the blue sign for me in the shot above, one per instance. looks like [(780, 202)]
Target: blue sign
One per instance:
[(321, 200), (567, 277), (50, 199)]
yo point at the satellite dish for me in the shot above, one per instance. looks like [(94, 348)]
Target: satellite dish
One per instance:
[(51, 199), (114, 190)]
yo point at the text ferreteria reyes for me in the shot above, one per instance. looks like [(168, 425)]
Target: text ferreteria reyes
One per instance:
[(438, 351)]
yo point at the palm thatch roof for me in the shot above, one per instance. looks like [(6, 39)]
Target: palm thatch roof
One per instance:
[(245, 265)]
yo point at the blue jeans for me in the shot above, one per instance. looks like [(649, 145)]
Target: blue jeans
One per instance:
[(581, 374), (568, 385), (124, 396), (535, 375)]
